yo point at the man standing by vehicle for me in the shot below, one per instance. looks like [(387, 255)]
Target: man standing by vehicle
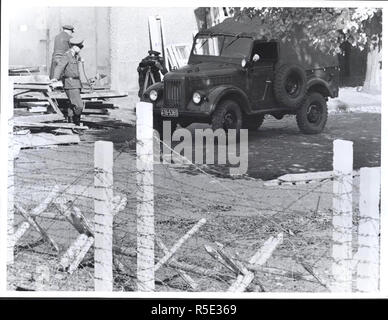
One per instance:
[(61, 45), (68, 70)]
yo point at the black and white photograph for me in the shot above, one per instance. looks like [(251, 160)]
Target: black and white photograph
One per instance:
[(182, 150)]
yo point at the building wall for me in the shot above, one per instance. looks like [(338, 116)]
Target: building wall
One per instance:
[(32, 33), (130, 40), (27, 37), (116, 39)]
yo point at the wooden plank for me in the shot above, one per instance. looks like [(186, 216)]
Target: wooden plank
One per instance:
[(37, 87), (81, 254), (44, 139), (215, 255), (31, 220), (90, 95), (62, 131), (33, 103), (180, 242), (75, 253), (95, 111), (21, 230), (37, 109), (235, 265), (75, 217), (181, 273), (259, 258), (46, 202), (100, 106), (32, 79), (56, 125), (39, 118)]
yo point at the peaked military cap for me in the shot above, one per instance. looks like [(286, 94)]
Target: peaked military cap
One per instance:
[(68, 27), (76, 41)]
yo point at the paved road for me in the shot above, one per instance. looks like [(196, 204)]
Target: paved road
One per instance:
[(279, 148)]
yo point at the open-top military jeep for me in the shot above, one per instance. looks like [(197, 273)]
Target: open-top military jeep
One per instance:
[(234, 77)]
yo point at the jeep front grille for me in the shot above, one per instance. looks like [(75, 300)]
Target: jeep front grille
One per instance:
[(173, 93)]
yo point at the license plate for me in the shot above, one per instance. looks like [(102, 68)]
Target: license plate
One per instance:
[(169, 112)]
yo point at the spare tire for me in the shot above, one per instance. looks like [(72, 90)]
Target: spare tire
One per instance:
[(290, 85)]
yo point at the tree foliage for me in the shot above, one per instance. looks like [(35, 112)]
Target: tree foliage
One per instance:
[(326, 28)]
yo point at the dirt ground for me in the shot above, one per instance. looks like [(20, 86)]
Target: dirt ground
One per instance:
[(241, 213)]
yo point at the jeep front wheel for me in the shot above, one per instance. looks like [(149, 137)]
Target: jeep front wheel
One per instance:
[(311, 117), (227, 116)]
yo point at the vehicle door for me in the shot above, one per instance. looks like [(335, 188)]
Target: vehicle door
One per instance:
[(260, 74)]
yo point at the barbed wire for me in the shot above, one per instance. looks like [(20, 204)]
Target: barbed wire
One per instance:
[(240, 213)]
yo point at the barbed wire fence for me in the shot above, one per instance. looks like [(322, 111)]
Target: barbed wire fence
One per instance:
[(91, 217)]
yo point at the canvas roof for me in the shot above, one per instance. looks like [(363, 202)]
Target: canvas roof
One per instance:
[(294, 50)]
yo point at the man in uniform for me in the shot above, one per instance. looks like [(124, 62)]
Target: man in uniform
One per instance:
[(61, 45), (67, 70)]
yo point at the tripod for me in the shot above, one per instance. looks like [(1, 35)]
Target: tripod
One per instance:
[(147, 77)]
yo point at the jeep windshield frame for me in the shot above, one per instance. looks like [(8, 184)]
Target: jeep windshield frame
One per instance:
[(224, 47)]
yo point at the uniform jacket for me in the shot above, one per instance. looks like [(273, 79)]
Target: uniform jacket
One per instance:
[(61, 44), (68, 69)]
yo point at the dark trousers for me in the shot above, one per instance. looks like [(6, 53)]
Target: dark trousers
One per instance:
[(77, 105)]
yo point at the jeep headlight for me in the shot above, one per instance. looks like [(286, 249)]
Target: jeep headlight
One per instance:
[(153, 95), (196, 98), (243, 62)]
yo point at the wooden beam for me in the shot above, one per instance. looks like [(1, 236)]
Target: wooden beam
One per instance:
[(58, 95), (181, 273), (76, 253), (180, 242), (259, 258), (95, 111), (39, 118), (32, 79), (37, 87), (46, 202), (75, 217), (215, 255), (56, 125), (31, 220)]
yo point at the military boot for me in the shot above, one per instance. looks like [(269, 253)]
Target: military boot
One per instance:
[(77, 120)]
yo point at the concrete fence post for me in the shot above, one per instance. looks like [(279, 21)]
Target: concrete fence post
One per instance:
[(342, 216), (103, 219), (11, 189), (145, 198), (368, 231)]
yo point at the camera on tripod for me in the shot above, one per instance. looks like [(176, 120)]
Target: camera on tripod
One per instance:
[(149, 70)]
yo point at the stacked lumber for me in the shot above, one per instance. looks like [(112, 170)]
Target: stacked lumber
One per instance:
[(37, 104), (38, 121)]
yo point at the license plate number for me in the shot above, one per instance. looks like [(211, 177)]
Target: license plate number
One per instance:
[(169, 112)]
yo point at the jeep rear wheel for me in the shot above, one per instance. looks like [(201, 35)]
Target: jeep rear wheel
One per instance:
[(290, 85), (311, 117), (227, 116), (253, 122)]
